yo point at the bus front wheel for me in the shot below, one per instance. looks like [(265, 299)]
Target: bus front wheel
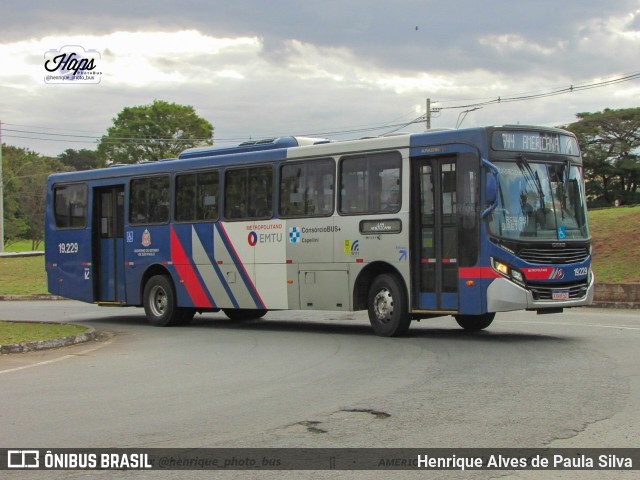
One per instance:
[(387, 305), (474, 323), (160, 304)]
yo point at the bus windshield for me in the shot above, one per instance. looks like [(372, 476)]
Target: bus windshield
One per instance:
[(539, 201)]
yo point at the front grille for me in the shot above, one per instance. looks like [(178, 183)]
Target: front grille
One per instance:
[(544, 291), (554, 256)]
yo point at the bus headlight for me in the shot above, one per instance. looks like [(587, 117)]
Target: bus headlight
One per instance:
[(517, 276), (504, 269), (500, 267)]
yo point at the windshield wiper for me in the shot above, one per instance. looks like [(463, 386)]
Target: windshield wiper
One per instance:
[(535, 178)]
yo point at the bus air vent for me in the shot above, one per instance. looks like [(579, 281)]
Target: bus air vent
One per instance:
[(557, 255)]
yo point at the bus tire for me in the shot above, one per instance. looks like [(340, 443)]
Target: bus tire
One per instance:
[(242, 314), (388, 306), (475, 323), (159, 301)]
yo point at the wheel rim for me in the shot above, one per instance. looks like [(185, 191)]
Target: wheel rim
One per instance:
[(158, 303), (383, 305)]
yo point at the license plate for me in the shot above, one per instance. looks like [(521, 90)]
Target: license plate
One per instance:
[(560, 295)]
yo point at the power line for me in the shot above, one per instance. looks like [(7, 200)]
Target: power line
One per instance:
[(391, 127), (549, 93)]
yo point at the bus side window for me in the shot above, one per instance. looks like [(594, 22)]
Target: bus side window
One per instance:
[(196, 197), (70, 205), (207, 196), (149, 200), (291, 190), (185, 193), (248, 193), (306, 188), (370, 184), (159, 199)]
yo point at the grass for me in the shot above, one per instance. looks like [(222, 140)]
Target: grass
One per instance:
[(22, 276), (22, 246), (616, 244), (18, 332)]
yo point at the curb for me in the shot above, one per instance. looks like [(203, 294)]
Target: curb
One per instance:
[(37, 253), (29, 298), (24, 347), (616, 305)]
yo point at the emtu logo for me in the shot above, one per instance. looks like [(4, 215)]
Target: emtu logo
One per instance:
[(252, 238)]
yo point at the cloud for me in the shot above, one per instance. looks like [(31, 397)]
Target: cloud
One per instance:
[(257, 68)]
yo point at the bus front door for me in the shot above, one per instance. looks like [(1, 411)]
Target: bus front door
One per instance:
[(108, 231), (435, 242)]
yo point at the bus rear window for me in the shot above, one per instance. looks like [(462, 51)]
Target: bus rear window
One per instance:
[(70, 205)]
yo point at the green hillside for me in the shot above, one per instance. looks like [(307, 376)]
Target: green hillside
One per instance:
[(616, 244)]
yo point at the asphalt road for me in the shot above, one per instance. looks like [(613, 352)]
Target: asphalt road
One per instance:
[(320, 379)]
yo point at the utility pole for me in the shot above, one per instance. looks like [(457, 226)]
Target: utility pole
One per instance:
[(428, 115), (1, 196)]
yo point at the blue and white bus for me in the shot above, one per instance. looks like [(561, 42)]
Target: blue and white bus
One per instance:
[(464, 223)]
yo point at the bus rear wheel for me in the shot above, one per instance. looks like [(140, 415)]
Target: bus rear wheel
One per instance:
[(160, 304), (241, 314), (474, 323), (388, 307)]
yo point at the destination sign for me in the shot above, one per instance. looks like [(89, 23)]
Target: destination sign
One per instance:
[(374, 227), (538, 142)]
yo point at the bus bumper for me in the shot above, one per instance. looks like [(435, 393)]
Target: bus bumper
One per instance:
[(503, 296)]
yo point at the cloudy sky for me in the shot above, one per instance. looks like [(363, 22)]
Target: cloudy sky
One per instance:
[(256, 69)]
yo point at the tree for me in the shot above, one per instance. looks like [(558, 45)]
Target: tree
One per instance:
[(153, 132), (610, 143), (25, 184), (14, 227), (81, 159)]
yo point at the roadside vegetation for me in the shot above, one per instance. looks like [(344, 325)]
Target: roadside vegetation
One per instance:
[(18, 332), (616, 244), (22, 276)]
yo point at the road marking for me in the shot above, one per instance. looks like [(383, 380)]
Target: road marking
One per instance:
[(54, 360), (573, 324)]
